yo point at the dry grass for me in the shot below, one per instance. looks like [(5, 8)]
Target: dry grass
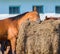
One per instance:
[(43, 38)]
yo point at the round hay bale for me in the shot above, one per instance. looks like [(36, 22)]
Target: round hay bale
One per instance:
[(20, 48), (43, 38)]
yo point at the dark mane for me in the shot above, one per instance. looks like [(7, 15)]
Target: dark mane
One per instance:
[(18, 16)]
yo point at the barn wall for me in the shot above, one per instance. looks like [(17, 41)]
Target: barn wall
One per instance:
[(48, 5), (26, 5)]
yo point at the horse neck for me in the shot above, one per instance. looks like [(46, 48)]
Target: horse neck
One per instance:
[(21, 20)]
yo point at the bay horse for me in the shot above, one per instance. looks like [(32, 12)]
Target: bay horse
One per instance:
[(52, 18), (9, 27)]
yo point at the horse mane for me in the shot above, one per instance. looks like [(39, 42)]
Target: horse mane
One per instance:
[(18, 16)]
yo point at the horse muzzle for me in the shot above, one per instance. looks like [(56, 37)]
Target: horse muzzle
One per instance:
[(38, 20)]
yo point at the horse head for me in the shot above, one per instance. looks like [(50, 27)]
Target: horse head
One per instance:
[(33, 16)]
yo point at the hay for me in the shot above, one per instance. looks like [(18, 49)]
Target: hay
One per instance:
[(43, 38)]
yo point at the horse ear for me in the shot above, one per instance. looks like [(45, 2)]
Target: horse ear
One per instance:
[(46, 17), (35, 9)]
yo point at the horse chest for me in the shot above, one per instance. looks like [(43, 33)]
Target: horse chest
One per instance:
[(12, 32), (3, 35), (3, 32)]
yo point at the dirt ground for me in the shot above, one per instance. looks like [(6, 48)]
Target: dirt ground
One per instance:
[(43, 38)]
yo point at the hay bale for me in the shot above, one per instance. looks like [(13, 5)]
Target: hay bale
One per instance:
[(43, 38), (20, 49)]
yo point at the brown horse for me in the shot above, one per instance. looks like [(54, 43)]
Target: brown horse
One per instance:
[(9, 27), (52, 18)]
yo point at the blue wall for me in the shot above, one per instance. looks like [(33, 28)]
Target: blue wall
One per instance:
[(26, 5)]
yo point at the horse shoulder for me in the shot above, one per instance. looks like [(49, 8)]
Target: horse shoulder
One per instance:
[(12, 31)]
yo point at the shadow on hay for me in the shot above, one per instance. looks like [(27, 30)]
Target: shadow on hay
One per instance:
[(40, 40), (59, 39)]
